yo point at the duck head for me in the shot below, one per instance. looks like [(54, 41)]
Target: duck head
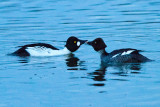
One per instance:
[(73, 43), (97, 44)]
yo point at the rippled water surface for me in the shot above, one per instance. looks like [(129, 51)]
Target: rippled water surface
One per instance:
[(79, 80)]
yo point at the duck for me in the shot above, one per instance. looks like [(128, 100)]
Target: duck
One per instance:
[(44, 49), (125, 55)]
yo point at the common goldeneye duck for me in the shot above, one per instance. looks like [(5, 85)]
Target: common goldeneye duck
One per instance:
[(127, 55), (43, 49)]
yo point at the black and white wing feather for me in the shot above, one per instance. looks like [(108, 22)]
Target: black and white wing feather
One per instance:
[(127, 55)]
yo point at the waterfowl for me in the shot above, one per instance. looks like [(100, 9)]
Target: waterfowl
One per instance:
[(126, 55), (44, 49)]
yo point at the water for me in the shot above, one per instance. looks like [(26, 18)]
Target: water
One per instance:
[(76, 80)]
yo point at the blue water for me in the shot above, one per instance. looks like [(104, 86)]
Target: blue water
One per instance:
[(76, 80)]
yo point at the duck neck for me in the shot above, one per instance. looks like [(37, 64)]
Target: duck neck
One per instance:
[(102, 52), (65, 50)]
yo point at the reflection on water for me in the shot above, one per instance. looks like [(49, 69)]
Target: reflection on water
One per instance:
[(122, 67), (120, 70), (23, 59), (75, 63), (72, 61)]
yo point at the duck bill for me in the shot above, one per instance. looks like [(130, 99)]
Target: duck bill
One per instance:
[(83, 41), (89, 43)]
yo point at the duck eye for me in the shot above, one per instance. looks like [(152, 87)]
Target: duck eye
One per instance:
[(75, 41), (95, 42)]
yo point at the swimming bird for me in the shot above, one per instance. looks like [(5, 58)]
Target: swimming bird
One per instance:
[(43, 49), (126, 55)]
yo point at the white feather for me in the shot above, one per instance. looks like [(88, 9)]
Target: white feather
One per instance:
[(43, 51), (128, 52), (115, 55), (78, 43)]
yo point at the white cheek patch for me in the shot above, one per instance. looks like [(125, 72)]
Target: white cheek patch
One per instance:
[(78, 43), (128, 52)]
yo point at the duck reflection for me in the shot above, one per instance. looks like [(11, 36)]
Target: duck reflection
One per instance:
[(74, 63), (98, 75), (124, 67), (71, 61), (123, 70), (23, 60)]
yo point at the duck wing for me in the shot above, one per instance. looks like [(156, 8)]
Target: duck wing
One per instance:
[(128, 55)]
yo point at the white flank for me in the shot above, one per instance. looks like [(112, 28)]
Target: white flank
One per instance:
[(78, 43), (43, 51), (128, 52), (115, 55)]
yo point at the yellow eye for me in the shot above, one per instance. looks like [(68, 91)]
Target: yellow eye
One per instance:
[(75, 41)]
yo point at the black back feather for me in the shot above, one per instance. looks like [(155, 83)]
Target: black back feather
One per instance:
[(22, 51)]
